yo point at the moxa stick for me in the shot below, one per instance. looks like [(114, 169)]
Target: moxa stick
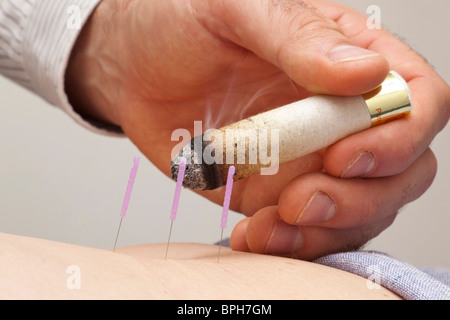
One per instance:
[(288, 132)]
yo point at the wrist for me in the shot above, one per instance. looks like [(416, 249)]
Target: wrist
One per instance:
[(91, 79)]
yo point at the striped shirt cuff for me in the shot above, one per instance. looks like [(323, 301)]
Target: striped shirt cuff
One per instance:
[(42, 34), (13, 17)]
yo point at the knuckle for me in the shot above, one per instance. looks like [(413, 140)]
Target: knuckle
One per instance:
[(410, 151), (303, 20), (446, 107), (403, 152), (370, 209), (307, 27), (357, 238), (424, 174), (304, 29), (288, 5), (431, 167)]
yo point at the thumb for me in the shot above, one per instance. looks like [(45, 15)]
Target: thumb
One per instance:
[(309, 47)]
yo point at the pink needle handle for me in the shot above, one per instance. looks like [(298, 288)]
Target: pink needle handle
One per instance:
[(226, 200), (123, 212), (176, 197)]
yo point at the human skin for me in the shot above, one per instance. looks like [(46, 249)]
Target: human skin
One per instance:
[(41, 269), (152, 67)]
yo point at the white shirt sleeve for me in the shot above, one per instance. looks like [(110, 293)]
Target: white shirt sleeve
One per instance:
[(36, 39)]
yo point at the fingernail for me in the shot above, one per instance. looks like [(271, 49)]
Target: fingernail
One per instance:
[(349, 53), (362, 166), (285, 238), (320, 208)]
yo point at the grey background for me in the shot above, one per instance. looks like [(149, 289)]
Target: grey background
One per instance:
[(61, 182)]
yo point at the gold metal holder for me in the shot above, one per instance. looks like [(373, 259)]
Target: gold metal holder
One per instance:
[(390, 101)]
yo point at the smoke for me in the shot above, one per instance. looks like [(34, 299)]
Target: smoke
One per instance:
[(237, 104)]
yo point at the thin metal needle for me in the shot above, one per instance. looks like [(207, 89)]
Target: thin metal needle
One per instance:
[(117, 235), (226, 204), (220, 244), (176, 196), (168, 239), (126, 200)]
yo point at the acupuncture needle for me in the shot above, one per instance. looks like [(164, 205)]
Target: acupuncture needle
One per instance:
[(226, 205), (126, 200), (176, 198)]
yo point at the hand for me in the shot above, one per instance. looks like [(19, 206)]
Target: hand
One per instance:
[(151, 67)]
